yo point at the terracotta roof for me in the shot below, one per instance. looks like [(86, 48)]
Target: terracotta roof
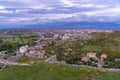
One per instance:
[(104, 56), (85, 59)]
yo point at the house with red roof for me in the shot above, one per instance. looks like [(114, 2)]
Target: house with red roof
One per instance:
[(104, 56), (85, 59)]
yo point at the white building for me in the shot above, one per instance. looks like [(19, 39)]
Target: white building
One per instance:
[(91, 55), (56, 36), (23, 49), (65, 37)]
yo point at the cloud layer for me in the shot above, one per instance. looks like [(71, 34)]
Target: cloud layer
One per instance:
[(38, 11)]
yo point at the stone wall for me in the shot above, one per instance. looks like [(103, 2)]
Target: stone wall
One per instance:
[(35, 54)]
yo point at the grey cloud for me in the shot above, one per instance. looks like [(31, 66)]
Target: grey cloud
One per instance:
[(67, 10)]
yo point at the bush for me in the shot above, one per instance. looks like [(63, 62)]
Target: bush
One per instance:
[(85, 70), (23, 59), (102, 71)]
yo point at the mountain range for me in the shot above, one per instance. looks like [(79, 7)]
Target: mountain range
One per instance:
[(65, 25)]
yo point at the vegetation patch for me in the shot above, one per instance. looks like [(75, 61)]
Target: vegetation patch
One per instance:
[(45, 71)]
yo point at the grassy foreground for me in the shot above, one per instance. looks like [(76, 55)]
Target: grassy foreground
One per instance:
[(45, 71)]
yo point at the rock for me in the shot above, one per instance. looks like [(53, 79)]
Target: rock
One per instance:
[(32, 62)]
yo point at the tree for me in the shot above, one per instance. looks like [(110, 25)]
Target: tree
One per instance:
[(1, 41)]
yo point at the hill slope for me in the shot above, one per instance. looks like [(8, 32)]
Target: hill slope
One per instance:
[(44, 71)]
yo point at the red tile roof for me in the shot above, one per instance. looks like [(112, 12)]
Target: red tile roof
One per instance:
[(104, 56), (85, 59)]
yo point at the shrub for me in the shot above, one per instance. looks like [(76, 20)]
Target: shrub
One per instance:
[(50, 69), (85, 70), (102, 71), (64, 69), (23, 59)]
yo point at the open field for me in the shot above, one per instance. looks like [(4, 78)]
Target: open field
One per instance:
[(45, 71)]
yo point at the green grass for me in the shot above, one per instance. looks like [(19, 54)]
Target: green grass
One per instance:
[(26, 59), (45, 71), (90, 48)]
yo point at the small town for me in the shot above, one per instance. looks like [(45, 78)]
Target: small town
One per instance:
[(58, 38)]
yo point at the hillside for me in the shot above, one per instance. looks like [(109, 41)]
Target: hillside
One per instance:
[(100, 43), (44, 71)]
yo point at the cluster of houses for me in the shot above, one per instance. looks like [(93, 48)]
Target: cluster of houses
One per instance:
[(93, 55), (35, 51), (64, 37), (47, 41)]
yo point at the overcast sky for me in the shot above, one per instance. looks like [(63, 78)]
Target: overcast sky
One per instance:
[(37, 11)]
